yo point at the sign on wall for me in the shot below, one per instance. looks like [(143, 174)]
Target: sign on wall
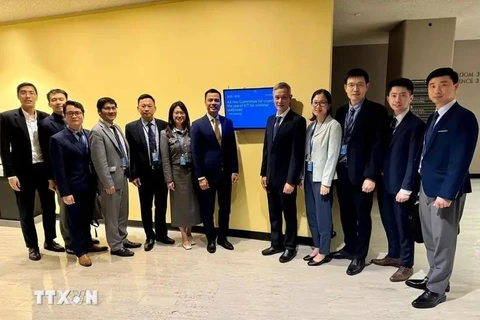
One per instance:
[(421, 106)]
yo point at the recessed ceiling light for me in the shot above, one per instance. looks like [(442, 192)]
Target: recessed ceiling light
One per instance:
[(357, 14)]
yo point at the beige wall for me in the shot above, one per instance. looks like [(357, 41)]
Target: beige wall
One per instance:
[(373, 58)]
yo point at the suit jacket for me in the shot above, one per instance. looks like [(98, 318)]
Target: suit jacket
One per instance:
[(49, 126), (72, 167), (326, 141), (283, 157), (106, 156), (400, 166), (140, 158), (367, 141), (209, 159), (448, 154), (15, 144)]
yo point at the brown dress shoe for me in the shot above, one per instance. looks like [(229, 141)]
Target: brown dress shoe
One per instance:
[(402, 274), (387, 262), (84, 261)]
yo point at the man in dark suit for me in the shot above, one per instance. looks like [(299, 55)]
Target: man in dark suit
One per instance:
[(282, 165), (448, 148), (23, 165), (75, 179), (146, 172), (401, 181), (364, 125), (215, 165)]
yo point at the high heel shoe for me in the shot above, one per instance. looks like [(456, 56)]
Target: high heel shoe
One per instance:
[(187, 247)]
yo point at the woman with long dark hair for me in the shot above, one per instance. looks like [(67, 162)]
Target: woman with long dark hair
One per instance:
[(177, 168)]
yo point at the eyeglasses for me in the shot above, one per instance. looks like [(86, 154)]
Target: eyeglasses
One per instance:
[(320, 103), (357, 85), (74, 113)]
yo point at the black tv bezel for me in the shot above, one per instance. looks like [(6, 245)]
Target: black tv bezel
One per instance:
[(225, 104)]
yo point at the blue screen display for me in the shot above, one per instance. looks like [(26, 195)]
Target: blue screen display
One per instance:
[(249, 108)]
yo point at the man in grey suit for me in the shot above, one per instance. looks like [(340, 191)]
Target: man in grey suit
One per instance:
[(111, 159)]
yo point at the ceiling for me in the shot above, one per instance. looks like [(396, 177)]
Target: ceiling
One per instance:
[(355, 21)]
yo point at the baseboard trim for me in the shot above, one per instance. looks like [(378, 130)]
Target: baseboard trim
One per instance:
[(475, 175)]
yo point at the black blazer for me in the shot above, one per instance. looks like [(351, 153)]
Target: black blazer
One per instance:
[(14, 135), (49, 126), (209, 159), (71, 163), (400, 166), (367, 142), (283, 158), (139, 157), (449, 153)]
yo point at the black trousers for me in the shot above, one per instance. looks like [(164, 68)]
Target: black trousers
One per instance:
[(36, 180), (222, 188), (79, 216), (355, 214), (395, 220), (153, 190), (279, 202)]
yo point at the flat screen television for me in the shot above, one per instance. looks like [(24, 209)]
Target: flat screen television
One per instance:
[(249, 108)]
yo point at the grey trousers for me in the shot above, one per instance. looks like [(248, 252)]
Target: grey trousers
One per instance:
[(440, 228), (63, 221), (115, 211)]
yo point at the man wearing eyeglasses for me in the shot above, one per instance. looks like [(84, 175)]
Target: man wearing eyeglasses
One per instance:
[(110, 154), (364, 124), (75, 180)]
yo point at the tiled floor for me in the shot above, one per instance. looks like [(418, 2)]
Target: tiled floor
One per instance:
[(171, 283)]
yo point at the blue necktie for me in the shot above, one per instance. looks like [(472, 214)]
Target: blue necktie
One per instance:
[(428, 134), (152, 143), (349, 126), (276, 126), (83, 140), (117, 137)]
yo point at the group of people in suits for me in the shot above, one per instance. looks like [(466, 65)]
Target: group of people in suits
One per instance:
[(359, 150), (363, 150)]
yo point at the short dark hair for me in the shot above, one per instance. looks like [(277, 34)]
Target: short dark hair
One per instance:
[(56, 91), (75, 104), (400, 82), (103, 101), (357, 73), (26, 84), (145, 96), (441, 72), (327, 95), (213, 91)]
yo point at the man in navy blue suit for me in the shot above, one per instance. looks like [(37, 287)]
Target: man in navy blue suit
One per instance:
[(448, 147), (401, 180), (75, 180), (364, 124), (215, 165)]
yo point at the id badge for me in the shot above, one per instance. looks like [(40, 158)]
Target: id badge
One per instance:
[(124, 163), (343, 150), (310, 166), (155, 156), (183, 160)]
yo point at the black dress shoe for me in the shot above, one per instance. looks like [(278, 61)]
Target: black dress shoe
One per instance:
[(131, 245), (149, 244), (95, 241), (313, 263), (355, 267), (124, 252), (341, 254), (53, 246), (421, 284), (224, 243), (95, 248), (271, 250), (166, 240), (428, 299), (211, 247), (34, 254), (69, 250), (287, 256), (308, 258)]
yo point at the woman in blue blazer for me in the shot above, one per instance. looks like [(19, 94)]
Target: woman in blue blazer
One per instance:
[(322, 150)]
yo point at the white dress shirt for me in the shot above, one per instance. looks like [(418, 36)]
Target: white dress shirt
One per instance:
[(282, 116), (32, 127)]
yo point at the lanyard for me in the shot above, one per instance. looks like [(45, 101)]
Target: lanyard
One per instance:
[(311, 137), (181, 142)]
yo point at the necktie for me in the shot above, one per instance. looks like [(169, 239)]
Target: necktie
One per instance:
[(120, 145), (349, 125), (428, 134), (82, 139), (216, 125), (393, 125), (276, 126), (152, 143)]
